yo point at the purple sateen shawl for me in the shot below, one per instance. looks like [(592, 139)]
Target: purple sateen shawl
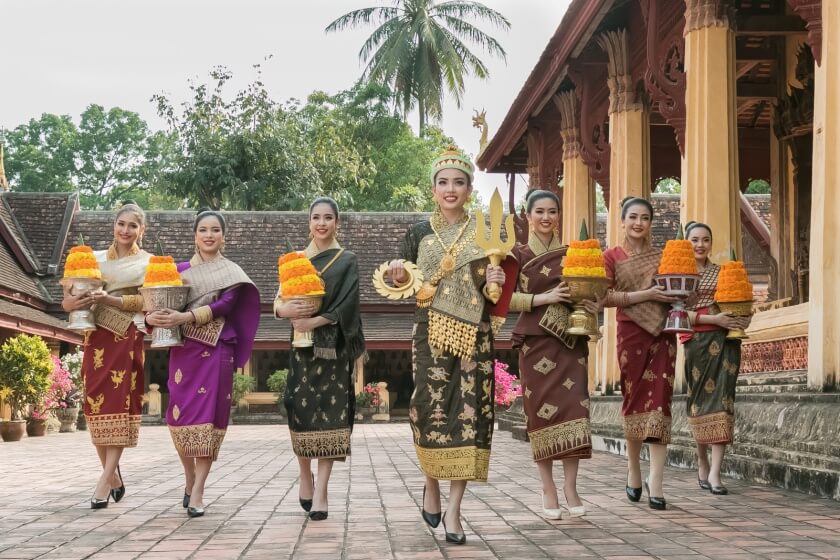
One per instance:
[(240, 306)]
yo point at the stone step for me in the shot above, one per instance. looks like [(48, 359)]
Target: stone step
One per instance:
[(787, 388), (799, 376)]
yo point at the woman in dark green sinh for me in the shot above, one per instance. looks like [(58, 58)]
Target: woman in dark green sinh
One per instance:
[(319, 395), (451, 409)]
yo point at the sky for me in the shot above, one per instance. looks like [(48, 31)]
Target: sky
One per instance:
[(62, 55)]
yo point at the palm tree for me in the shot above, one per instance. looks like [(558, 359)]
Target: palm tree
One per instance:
[(418, 49)]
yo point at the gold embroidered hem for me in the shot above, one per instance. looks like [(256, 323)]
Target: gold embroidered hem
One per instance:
[(713, 428), (454, 463), (648, 426), (200, 440), (451, 335), (326, 444), (118, 430), (562, 441)]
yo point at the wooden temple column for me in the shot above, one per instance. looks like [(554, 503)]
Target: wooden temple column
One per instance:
[(710, 190), (824, 277), (629, 131), (578, 186)]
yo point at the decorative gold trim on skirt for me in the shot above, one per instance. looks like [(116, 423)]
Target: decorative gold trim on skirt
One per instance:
[(561, 441), (112, 319), (199, 440), (451, 335), (647, 426), (326, 444), (119, 430), (454, 463), (718, 427)]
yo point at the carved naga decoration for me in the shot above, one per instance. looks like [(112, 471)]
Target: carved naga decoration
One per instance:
[(479, 121)]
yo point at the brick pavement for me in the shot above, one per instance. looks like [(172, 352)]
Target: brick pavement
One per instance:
[(253, 510)]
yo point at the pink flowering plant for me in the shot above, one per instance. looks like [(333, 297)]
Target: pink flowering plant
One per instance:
[(507, 385), (369, 397), (62, 393)]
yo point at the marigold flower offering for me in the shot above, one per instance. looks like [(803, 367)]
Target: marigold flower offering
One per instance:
[(161, 271), (298, 276), (584, 258), (81, 263), (733, 284), (678, 258)]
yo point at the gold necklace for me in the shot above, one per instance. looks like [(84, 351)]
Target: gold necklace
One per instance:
[(447, 263)]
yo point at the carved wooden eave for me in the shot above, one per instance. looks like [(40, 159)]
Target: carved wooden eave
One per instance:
[(811, 12), (594, 131), (665, 77), (581, 19)]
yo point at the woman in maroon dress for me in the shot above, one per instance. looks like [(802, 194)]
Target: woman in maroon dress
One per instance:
[(646, 355)]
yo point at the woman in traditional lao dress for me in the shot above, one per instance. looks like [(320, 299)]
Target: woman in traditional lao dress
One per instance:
[(319, 398), (712, 363), (552, 363), (112, 367), (451, 409), (646, 355), (218, 326)]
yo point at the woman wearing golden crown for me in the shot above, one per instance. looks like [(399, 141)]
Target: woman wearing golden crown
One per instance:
[(112, 367), (451, 409)]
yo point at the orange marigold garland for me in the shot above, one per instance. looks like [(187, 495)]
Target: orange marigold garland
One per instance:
[(161, 271), (298, 276), (678, 258), (733, 284), (81, 263)]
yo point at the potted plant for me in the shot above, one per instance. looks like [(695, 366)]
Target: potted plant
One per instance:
[(367, 402), (63, 397), (507, 386), (73, 364), (36, 422), (25, 367), (242, 385), (277, 384)]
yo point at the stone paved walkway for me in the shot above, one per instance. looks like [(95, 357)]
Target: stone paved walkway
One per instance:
[(45, 485)]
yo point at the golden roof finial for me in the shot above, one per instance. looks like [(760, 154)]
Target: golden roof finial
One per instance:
[(4, 183)]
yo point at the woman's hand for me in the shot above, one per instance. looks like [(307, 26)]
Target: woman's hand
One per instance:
[(309, 324), (730, 322), (296, 309), (167, 318), (101, 297), (495, 274), (559, 294), (75, 302), (657, 293), (397, 272), (593, 307)]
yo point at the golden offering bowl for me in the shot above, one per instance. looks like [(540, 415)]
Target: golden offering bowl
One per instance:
[(156, 298), (736, 309), (593, 288), (81, 320)]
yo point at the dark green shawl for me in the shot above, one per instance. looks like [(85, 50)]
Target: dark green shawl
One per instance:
[(341, 306)]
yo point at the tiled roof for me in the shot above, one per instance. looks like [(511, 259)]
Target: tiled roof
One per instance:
[(13, 234), (43, 219), (254, 240), (15, 279), (27, 319)]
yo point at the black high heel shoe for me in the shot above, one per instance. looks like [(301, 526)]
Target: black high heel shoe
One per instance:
[(718, 490), (653, 501), (195, 512), (454, 538), (118, 493), (704, 484), (186, 501), (318, 515), (633, 494), (307, 504), (96, 503), (431, 519)]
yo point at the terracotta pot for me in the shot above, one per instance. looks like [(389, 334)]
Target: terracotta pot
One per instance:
[(12, 430), (68, 418), (36, 428)]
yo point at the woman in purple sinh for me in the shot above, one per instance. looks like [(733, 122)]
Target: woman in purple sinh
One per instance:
[(218, 326)]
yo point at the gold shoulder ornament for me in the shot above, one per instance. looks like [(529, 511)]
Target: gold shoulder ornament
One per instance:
[(415, 280)]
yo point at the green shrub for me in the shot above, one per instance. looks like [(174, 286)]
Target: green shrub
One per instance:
[(277, 384), (25, 368), (242, 385)]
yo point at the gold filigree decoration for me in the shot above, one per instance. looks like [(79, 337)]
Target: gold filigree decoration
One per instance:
[(120, 430), (96, 404), (199, 440), (713, 428), (568, 384), (554, 441), (648, 425), (408, 289), (98, 358), (454, 463), (544, 366), (546, 411)]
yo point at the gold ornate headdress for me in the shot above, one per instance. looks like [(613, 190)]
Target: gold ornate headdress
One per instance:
[(451, 158)]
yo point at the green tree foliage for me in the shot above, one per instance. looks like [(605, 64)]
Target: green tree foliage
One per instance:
[(758, 186), (252, 153), (25, 368), (109, 156), (419, 49)]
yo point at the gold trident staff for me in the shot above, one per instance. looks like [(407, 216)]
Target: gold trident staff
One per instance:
[(494, 248)]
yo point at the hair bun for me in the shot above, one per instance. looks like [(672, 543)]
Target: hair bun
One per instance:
[(202, 210)]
